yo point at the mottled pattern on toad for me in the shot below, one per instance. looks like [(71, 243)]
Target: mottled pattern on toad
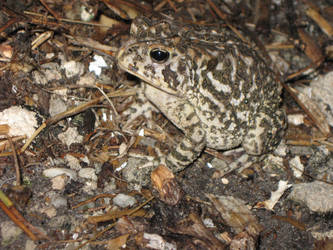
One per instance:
[(209, 83)]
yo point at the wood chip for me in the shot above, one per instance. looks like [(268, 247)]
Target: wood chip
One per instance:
[(165, 183), (312, 50), (311, 109)]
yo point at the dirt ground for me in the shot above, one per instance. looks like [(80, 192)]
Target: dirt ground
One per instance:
[(74, 179)]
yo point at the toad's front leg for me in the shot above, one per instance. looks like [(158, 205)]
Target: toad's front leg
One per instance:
[(183, 115)]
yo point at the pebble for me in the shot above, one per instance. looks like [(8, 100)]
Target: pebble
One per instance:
[(110, 187), (123, 200), (208, 222), (295, 119), (57, 105), (89, 187), (47, 72), (30, 245), (71, 135), (53, 172), (322, 93), (88, 173), (60, 221), (9, 232), (19, 120), (97, 65), (156, 241), (73, 68), (49, 211), (297, 166), (317, 196), (59, 182), (73, 162), (59, 201), (87, 79)]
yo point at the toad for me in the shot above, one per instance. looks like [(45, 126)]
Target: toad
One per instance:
[(210, 84)]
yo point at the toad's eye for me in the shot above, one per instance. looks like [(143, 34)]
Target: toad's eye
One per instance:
[(159, 55)]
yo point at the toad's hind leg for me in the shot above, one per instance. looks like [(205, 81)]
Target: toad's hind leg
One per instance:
[(186, 151), (183, 115), (265, 132)]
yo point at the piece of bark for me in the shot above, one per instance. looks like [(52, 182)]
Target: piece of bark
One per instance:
[(127, 225), (236, 214), (262, 16), (243, 241), (311, 109), (165, 183), (193, 226), (312, 50)]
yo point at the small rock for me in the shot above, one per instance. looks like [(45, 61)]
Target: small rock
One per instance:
[(71, 135), (55, 199), (135, 174), (218, 164), (97, 65), (224, 181), (208, 222), (57, 105), (88, 173), (30, 245), (323, 235), (317, 196), (59, 182), (49, 211), (60, 221), (73, 68), (156, 241), (53, 172), (59, 201), (110, 187), (281, 150), (75, 245), (123, 200), (19, 120), (9, 232), (296, 119), (51, 71), (297, 166), (90, 187), (48, 72), (73, 162), (322, 93), (39, 77), (87, 80), (300, 150)]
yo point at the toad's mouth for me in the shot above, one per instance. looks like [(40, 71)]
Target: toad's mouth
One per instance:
[(125, 65)]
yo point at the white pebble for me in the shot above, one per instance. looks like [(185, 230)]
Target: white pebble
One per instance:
[(59, 182), (20, 121), (123, 200), (53, 172), (73, 68), (88, 173), (297, 166)]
